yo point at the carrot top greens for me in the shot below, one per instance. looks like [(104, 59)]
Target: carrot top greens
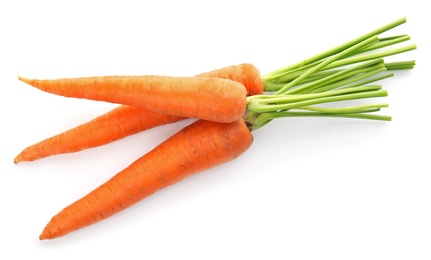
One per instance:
[(339, 74)]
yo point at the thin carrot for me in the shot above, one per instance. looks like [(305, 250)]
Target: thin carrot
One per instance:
[(197, 147), (117, 123), (213, 99), (126, 120)]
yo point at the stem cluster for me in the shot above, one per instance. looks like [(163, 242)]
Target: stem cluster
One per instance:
[(339, 74)]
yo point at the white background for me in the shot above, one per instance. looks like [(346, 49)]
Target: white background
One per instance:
[(309, 188)]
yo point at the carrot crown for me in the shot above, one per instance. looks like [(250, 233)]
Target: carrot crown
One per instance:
[(339, 74)]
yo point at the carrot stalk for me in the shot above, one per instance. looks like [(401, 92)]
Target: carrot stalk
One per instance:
[(325, 78), (197, 147), (126, 120), (326, 62), (321, 56)]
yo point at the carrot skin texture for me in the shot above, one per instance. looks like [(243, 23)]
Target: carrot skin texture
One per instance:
[(117, 123), (126, 120), (245, 73), (199, 146), (212, 99)]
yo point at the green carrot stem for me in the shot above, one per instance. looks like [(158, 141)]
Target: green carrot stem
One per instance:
[(316, 76), (354, 81), (264, 108), (345, 82), (383, 42), (355, 109), (401, 65), (326, 73), (327, 62), (350, 59), (275, 73), (289, 76), (371, 56), (336, 75), (256, 120), (360, 82), (342, 77), (388, 38), (346, 115), (283, 99)]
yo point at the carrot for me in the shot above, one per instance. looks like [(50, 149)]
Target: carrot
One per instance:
[(127, 120), (197, 147), (214, 99), (117, 123), (246, 74), (339, 74)]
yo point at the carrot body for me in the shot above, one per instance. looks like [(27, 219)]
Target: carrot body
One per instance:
[(213, 99), (117, 123), (246, 73), (197, 147), (127, 120)]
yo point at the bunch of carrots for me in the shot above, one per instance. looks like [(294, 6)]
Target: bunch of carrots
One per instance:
[(228, 104)]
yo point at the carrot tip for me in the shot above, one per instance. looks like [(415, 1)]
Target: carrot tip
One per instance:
[(25, 80), (18, 159), (43, 235), (46, 234)]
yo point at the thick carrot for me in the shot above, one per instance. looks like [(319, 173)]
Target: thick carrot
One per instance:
[(197, 147), (246, 74), (126, 120), (117, 123), (213, 99)]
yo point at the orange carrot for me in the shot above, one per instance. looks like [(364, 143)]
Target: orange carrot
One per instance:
[(213, 99), (197, 147), (117, 123), (246, 74), (127, 120)]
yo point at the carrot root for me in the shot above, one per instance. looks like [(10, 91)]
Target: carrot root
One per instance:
[(245, 73), (213, 99), (197, 147), (117, 123)]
